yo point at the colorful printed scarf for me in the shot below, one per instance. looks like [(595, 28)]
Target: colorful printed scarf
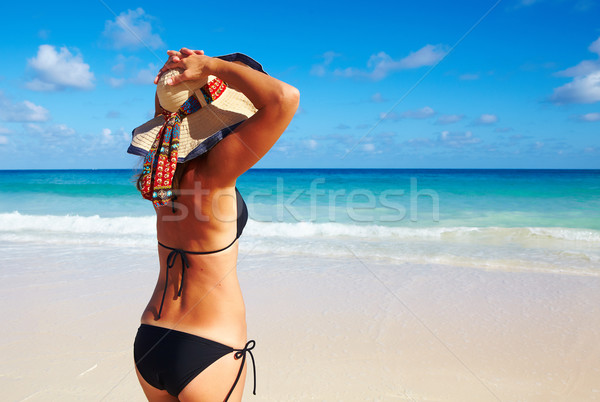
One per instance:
[(161, 161)]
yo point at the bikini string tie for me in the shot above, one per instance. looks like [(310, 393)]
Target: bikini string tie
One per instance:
[(241, 353), (171, 258)]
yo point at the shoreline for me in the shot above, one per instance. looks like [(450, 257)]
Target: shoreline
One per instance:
[(325, 328)]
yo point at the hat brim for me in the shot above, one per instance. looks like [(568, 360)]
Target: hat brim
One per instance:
[(202, 130)]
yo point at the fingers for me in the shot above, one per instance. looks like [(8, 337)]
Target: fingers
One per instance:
[(177, 79), (176, 60), (164, 69), (160, 72), (184, 51), (173, 61), (188, 52)]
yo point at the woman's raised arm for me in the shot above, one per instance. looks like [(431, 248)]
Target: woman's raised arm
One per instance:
[(275, 100)]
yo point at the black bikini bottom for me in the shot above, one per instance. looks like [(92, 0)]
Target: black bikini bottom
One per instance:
[(169, 359)]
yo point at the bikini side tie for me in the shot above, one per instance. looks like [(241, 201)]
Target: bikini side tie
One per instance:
[(241, 353)]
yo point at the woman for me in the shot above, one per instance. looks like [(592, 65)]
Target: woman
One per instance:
[(192, 344)]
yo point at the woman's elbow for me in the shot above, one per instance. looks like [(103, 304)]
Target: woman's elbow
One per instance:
[(289, 98), (293, 95)]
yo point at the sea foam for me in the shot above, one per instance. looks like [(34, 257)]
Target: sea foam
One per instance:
[(537, 248), (15, 223)]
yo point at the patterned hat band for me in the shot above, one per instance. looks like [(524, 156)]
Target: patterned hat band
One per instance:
[(190, 126), (161, 161)]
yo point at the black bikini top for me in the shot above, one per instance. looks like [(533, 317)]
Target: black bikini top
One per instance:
[(242, 219), (242, 214)]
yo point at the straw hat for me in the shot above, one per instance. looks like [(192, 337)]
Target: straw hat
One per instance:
[(203, 129)]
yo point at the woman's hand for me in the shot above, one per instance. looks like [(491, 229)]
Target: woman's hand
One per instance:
[(175, 60)]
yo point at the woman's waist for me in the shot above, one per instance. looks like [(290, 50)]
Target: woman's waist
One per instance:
[(227, 327), (198, 303)]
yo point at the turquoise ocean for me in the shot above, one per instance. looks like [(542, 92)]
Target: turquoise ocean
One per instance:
[(515, 220)]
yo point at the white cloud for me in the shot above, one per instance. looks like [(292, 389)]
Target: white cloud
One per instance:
[(584, 89), (368, 147), (107, 137), (579, 5), (389, 116), (318, 70), (422, 113), (57, 141), (35, 112), (456, 139), (589, 150), (146, 76), (123, 64), (132, 30), (35, 128), (116, 82), (61, 130), (585, 86), (468, 77), (127, 70), (380, 65), (449, 118), (4, 130), (378, 98), (595, 47), (25, 111), (419, 142), (487, 119), (38, 85), (58, 70), (329, 56), (3, 140), (583, 68), (589, 117), (312, 144), (321, 69), (125, 134), (55, 134), (428, 55)]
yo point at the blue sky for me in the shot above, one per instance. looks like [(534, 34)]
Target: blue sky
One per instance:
[(390, 84)]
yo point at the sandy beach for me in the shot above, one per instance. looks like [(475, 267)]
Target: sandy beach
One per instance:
[(325, 329)]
